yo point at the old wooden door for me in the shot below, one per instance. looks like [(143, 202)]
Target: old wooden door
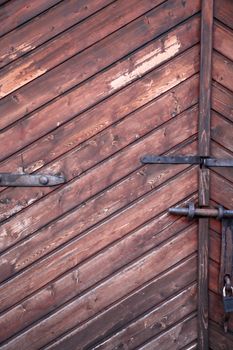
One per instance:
[(87, 88)]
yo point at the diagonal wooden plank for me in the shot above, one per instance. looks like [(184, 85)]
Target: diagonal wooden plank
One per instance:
[(15, 13), (25, 223), (223, 70), (87, 125), (37, 31), (92, 212), (135, 34), (223, 10), (157, 320), (103, 145), (97, 238), (105, 22), (221, 127), (222, 101), (223, 38), (93, 271), (135, 302), (81, 67), (223, 190), (105, 294), (180, 335), (219, 152)]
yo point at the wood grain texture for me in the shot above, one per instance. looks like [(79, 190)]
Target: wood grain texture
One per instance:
[(136, 303), (177, 337), (94, 240), (222, 101), (205, 77), (30, 223), (17, 12), (204, 177), (62, 320), (136, 34), (88, 88), (223, 40), (78, 100), (80, 131), (46, 26), (150, 325), (132, 247), (222, 70), (223, 10), (80, 67)]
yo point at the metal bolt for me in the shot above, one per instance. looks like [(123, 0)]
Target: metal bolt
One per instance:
[(43, 180)]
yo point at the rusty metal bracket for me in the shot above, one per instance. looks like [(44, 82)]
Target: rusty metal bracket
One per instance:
[(197, 160), (30, 180)]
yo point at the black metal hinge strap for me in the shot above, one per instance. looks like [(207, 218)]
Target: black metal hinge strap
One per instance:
[(208, 162), (29, 180)]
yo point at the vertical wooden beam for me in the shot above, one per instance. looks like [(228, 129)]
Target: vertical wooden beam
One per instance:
[(204, 183)]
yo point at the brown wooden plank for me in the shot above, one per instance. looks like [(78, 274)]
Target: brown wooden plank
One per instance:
[(221, 131), (223, 70), (178, 336), (16, 12), (81, 67), (92, 213), (214, 277), (63, 109), (15, 107), (205, 77), (34, 33), (222, 39), (115, 318), (223, 10), (219, 152), (87, 126), (92, 272), (126, 162), (223, 190), (215, 243), (204, 151), (116, 137), (203, 267), (222, 101), (109, 291), (159, 318), (96, 239), (104, 23)]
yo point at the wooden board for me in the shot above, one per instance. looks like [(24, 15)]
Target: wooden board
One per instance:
[(86, 89)]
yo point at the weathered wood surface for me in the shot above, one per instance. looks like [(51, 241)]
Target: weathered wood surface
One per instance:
[(204, 137), (221, 147), (87, 94)]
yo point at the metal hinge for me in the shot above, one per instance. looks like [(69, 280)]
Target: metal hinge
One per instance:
[(30, 180), (202, 161)]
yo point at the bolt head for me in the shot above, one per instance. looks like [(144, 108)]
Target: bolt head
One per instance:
[(43, 180)]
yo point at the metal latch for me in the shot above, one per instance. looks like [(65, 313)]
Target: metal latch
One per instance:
[(226, 267), (202, 161), (30, 180)]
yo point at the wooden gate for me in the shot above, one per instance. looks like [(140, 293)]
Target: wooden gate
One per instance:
[(87, 88)]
